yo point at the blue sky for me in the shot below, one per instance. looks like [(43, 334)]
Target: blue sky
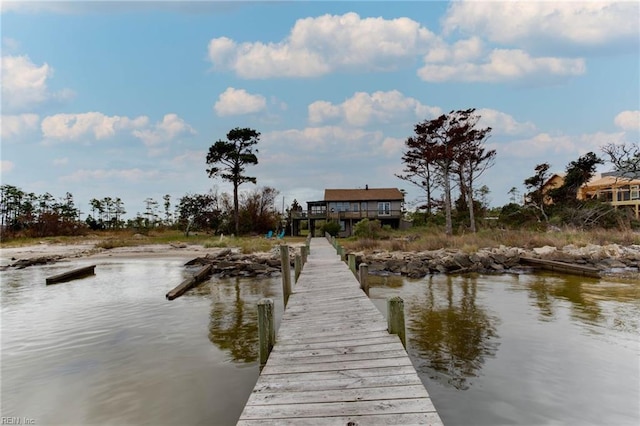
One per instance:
[(123, 99)]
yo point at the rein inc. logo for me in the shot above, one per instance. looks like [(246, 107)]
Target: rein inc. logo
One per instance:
[(17, 421)]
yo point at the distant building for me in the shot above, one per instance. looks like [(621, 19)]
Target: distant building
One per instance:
[(620, 192), (555, 181), (349, 206)]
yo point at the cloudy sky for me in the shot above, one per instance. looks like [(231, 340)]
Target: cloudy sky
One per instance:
[(123, 99)]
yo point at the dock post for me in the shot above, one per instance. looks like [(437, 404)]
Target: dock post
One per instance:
[(303, 254), (266, 329), (395, 318), (351, 261), (297, 267), (286, 272), (363, 277), (308, 247)]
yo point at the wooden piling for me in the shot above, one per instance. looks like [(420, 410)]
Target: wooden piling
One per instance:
[(395, 318), (189, 282), (297, 267), (351, 261), (303, 253), (72, 275), (286, 272), (363, 277), (266, 329)]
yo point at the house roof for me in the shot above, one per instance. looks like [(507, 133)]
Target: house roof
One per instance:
[(370, 194), (610, 182)]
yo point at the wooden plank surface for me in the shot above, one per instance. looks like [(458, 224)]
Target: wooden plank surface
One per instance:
[(71, 275), (334, 361)]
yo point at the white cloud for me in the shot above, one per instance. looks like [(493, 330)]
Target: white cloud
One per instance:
[(628, 120), (569, 23), (61, 161), (69, 127), (392, 146), (129, 175), (550, 147), (324, 139), (461, 51), (317, 46), (503, 65), (15, 125), (238, 101), (24, 84), (6, 167), (502, 123), (168, 129), (363, 108), (10, 45)]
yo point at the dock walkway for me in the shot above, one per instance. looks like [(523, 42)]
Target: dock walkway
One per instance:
[(334, 361)]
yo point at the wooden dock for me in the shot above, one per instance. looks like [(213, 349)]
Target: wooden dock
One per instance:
[(334, 361)]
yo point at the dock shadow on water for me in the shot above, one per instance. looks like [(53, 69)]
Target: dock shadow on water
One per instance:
[(539, 348)]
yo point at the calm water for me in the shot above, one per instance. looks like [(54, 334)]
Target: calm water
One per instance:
[(109, 349)]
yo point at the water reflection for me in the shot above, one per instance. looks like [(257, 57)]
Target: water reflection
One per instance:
[(589, 300), (449, 333), (547, 290), (233, 325)]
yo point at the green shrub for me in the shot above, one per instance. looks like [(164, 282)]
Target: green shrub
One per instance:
[(367, 229), (333, 228)]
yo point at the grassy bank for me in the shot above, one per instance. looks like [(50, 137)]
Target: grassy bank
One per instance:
[(112, 239), (415, 239), (424, 239)]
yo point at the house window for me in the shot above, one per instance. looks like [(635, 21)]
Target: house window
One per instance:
[(635, 192), (354, 207), (384, 208), (363, 206)]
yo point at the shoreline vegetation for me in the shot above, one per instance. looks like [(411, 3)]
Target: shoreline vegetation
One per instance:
[(414, 253)]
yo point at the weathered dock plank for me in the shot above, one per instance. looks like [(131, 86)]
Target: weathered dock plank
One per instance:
[(190, 282), (554, 265), (71, 275), (334, 361)]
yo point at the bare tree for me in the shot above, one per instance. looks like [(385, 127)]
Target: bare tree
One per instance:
[(625, 158)]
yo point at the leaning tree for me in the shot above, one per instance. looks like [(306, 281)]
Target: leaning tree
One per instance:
[(444, 147), (229, 158)]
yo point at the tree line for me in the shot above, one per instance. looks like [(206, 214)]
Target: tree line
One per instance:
[(445, 157)]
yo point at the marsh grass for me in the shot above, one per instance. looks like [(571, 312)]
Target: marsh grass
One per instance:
[(414, 239), (427, 239)]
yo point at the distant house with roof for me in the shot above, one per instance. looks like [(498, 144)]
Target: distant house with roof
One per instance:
[(555, 181), (619, 191), (349, 206)]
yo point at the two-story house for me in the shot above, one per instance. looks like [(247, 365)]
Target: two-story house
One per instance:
[(619, 191), (349, 206)]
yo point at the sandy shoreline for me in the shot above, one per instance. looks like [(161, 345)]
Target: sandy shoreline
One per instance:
[(90, 251)]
